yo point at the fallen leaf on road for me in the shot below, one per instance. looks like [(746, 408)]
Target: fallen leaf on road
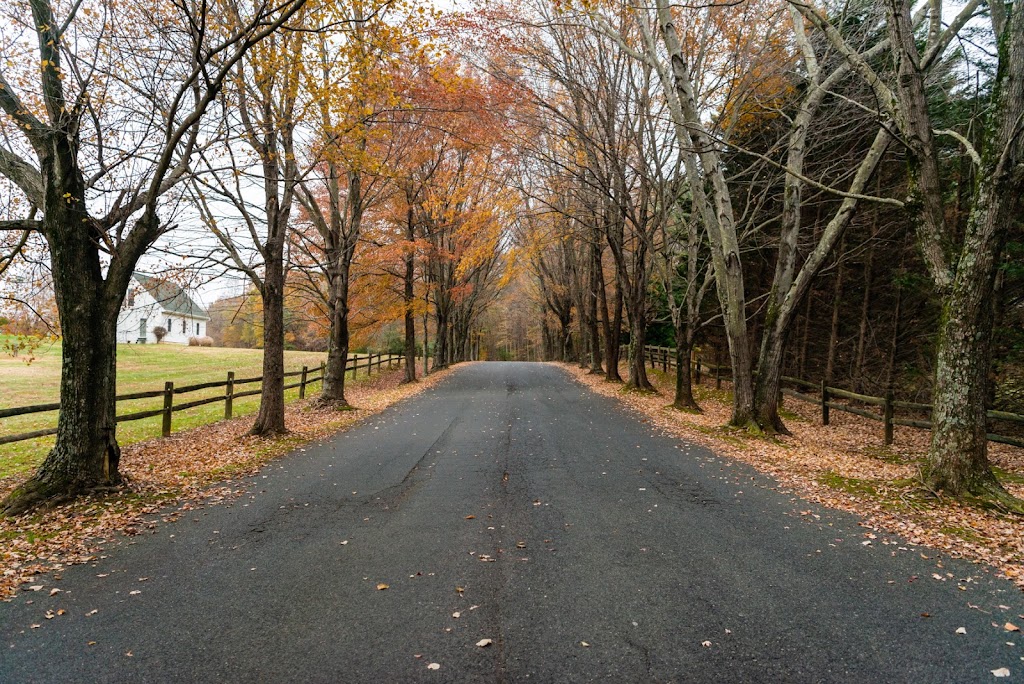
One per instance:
[(470, 517), (128, 653), (584, 644), (35, 587), (484, 643), (344, 542), (35, 626), (434, 666), (456, 615), (1010, 627), (61, 611), (54, 592), (520, 545), (133, 593), (1001, 672), (459, 589), (705, 644), (381, 586), (961, 630), (92, 643), (92, 612)]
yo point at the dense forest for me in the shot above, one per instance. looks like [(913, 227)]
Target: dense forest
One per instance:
[(830, 191)]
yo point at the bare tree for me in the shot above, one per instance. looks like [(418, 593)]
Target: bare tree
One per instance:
[(962, 268), (105, 126)]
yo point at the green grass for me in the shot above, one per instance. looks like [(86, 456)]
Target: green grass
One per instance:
[(139, 368), (850, 485)]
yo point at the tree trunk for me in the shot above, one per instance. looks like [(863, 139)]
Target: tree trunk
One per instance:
[(613, 349), (865, 309), (833, 336), (270, 419), (684, 384), (408, 298), (769, 379), (958, 457), (337, 344), (637, 340), (86, 453), (592, 297)]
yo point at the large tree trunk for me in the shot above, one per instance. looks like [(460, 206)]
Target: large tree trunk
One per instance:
[(958, 457), (270, 419), (86, 453), (338, 343)]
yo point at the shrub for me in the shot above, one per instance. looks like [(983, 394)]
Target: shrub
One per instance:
[(203, 341), (160, 332)]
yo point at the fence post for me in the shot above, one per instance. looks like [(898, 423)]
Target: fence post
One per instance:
[(229, 395), (698, 370), (355, 366), (168, 407), (302, 382), (664, 359), (887, 411), (824, 403), (323, 374)]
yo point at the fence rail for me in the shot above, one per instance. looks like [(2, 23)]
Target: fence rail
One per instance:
[(666, 358), (354, 364)]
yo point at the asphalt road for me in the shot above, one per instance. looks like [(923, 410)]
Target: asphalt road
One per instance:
[(598, 550)]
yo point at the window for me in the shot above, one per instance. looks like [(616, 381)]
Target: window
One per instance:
[(169, 328), (197, 329), (183, 326)]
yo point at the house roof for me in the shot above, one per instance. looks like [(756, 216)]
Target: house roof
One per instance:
[(170, 296)]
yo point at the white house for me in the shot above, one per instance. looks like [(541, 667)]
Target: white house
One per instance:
[(153, 302)]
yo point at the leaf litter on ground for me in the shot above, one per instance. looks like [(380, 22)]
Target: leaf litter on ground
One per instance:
[(845, 466), (165, 478)]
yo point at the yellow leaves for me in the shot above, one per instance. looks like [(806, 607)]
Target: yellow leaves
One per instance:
[(382, 586)]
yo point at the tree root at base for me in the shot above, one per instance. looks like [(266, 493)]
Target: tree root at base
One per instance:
[(35, 494)]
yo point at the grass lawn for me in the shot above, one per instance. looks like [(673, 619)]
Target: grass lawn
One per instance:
[(139, 368)]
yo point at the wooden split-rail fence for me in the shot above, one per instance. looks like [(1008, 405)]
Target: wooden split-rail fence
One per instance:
[(883, 409), (306, 378)]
